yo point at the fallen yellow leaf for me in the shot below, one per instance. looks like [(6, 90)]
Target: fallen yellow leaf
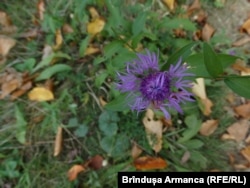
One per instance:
[(59, 39), (91, 50), (93, 13), (74, 171), (40, 94), (153, 130), (169, 4), (58, 141), (95, 26)]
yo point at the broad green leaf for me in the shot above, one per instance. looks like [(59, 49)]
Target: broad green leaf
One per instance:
[(183, 53), (176, 23), (100, 78), (197, 65), (81, 131), (52, 70), (20, 126), (240, 85), (118, 104), (46, 61), (193, 127), (212, 61), (193, 144), (107, 144), (198, 159), (111, 48), (227, 60), (138, 24), (108, 123)]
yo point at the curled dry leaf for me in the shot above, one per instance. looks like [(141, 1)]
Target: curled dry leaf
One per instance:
[(246, 27), (243, 110), (194, 6), (149, 163), (6, 43), (208, 127), (6, 24), (170, 4), (199, 90), (207, 32), (246, 153), (240, 66), (67, 29), (74, 171), (58, 141), (40, 94), (239, 130), (102, 101), (135, 151), (242, 41), (41, 9), (153, 130)]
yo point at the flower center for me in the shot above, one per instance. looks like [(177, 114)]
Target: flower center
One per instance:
[(155, 87)]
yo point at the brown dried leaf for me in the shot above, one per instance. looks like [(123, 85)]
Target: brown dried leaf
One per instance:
[(243, 110), (246, 153), (153, 130), (23, 89), (67, 29), (185, 157), (102, 101), (207, 32), (9, 87), (247, 140), (47, 51), (40, 94), (245, 27), (6, 43), (74, 171), (208, 127), (95, 26), (207, 106), (58, 141), (227, 137), (195, 6), (238, 130), (135, 151), (41, 9), (149, 163), (170, 4), (5, 20), (242, 41), (96, 162)]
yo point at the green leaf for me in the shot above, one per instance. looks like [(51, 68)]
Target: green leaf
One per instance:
[(108, 123), (227, 60), (193, 144), (183, 53), (20, 126), (52, 70), (193, 125), (212, 61), (240, 85), (107, 144), (46, 61), (100, 78), (197, 65), (139, 23), (81, 131), (111, 48), (176, 23), (83, 46), (120, 103)]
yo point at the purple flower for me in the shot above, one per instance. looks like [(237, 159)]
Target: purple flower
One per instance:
[(148, 87)]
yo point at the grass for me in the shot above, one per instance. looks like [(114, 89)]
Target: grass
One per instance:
[(87, 129)]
